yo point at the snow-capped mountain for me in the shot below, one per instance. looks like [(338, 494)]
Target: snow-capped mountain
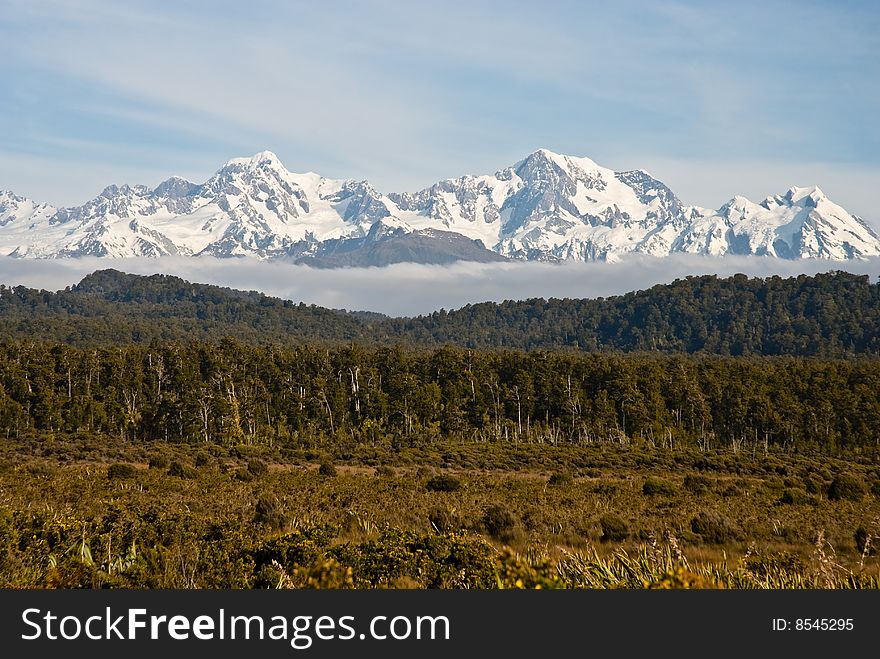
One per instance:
[(546, 207)]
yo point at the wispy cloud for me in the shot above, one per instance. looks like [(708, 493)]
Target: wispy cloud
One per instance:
[(408, 93), (410, 289)]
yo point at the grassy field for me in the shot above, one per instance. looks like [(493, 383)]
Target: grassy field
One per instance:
[(93, 511)]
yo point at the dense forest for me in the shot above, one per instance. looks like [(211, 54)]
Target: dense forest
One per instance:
[(834, 315), (344, 397)]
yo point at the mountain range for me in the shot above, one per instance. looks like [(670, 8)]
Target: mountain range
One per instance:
[(546, 207)]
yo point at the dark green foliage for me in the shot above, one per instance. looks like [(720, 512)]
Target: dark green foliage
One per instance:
[(443, 483), (121, 471), (203, 460), (294, 549), (268, 512), (614, 529), (158, 462), (836, 314), (658, 487), (327, 469), (232, 395), (446, 560), (795, 496), (767, 565), (560, 479), (815, 486), (257, 468), (828, 315), (444, 519), (180, 470), (714, 528), (499, 522), (111, 308), (846, 486), (697, 483)]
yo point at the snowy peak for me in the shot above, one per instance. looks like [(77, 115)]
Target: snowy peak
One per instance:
[(261, 159), (546, 206), (175, 188)]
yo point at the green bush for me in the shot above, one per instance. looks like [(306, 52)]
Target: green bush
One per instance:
[(121, 471), (257, 468), (499, 522), (773, 564), (268, 512), (327, 469), (444, 520), (614, 529), (443, 483), (158, 462), (714, 528), (846, 486), (794, 496), (814, 485), (697, 483), (384, 471), (658, 487), (180, 470), (560, 479)]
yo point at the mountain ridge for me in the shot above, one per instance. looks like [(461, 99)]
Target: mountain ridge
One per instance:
[(827, 315), (545, 207)]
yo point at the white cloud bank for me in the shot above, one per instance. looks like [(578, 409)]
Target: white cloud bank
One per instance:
[(410, 289)]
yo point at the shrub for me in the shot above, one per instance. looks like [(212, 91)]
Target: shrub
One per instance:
[(814, 485), (257, 468), (697, 483), (658, 487), (384, 471), (846, 486), (179, 470), (614, 529), (875, 488), (714, 527), (773, 564), (203, 460), (267, 511), (443, 483), (158, 462), (444, 519), (732, 490), (560, 479), (794, 496), (327, 469), (121, 471), (499, 522)]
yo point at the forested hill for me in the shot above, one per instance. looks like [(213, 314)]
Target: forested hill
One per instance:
[(110, 307), (832, 315), (829, 315)]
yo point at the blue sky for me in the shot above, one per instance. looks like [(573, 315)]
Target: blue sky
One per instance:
[(715, 99)]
